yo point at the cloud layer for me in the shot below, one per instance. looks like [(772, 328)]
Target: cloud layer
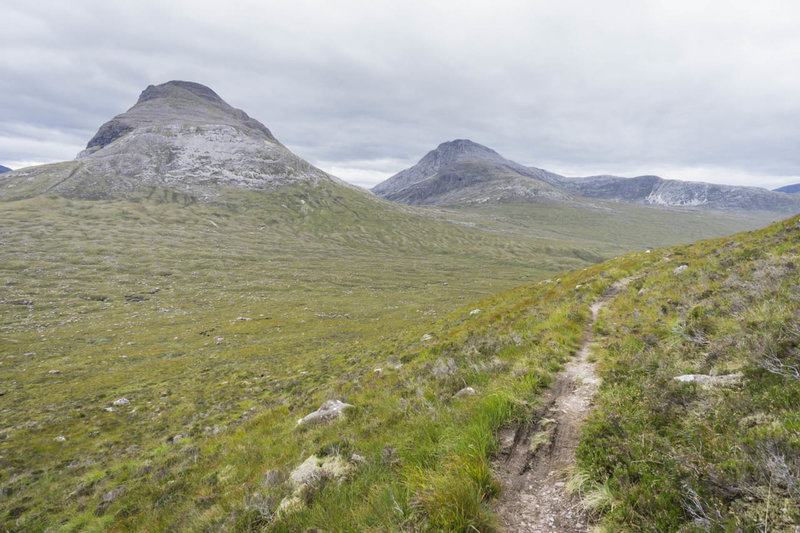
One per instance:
[(686, 89)]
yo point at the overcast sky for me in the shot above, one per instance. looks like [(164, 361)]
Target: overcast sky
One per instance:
[(702, 90)]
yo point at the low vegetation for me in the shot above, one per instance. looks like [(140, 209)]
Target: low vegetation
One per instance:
[(720, 450), (156, 358)]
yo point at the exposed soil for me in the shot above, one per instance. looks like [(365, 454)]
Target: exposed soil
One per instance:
[(533, 457)]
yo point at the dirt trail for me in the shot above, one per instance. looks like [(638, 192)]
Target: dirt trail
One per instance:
[(532, 459)]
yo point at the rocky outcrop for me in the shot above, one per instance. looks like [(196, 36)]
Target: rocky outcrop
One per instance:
[(708, 382), (330, 410)]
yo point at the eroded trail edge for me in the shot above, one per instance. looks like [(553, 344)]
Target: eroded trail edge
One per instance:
[(533, 458)]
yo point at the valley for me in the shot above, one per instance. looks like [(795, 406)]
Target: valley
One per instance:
[(174, 300)]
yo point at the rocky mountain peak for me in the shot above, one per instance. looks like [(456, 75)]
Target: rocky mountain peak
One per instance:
[(175, 88), (445, 155), (4, 169), (179, 136), (462, 150), (181, 103), (461, 164)]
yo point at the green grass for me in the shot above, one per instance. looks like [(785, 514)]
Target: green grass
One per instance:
[(226, 323), (675, 456)]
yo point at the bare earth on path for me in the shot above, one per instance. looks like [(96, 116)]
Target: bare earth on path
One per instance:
[(533, 458)]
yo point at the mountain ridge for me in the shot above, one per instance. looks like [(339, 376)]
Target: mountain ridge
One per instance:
[(435, 180), (789, 189)]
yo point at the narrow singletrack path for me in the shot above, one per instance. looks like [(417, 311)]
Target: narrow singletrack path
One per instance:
[(533, 458)]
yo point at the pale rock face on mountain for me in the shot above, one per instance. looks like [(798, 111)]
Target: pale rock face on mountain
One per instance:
[(180, 136), (652, 190)]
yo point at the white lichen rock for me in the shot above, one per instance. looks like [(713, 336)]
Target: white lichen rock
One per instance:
[(707, 381), (466, 391), (330, 410)]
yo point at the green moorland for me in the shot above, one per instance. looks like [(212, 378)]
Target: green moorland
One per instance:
[(221, 325), (660, 454)]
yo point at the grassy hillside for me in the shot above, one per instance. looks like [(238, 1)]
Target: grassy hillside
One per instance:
[(661, 454), (221, 325)]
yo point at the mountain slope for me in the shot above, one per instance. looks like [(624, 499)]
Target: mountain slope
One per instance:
[(652, 190), (179, 136), (700, 391), (4, 169), (462, 172), (790, 189)]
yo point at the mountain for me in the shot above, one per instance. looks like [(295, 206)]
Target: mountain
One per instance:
[(653, 190), (179, 136), (790, 189), (4, 169), (462, 172), (465, 172)]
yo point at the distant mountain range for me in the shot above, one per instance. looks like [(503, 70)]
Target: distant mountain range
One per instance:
[(4, 169), (180, 136), (790, 189), (464, 172)]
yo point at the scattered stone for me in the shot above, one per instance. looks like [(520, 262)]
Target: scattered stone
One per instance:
[(680, 269), (330, 410), (474, 312), (121, 401), (61, 438), (647, 251), (110, 409), (219, 340), (54, 371), (177, 438), (427, 337), (378, 370), (110, 497), (243, 319), (466, 391), (707, 381)]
